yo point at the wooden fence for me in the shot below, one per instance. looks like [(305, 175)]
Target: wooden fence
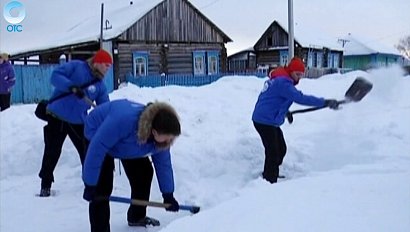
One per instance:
[(181, 79), (33, 83)]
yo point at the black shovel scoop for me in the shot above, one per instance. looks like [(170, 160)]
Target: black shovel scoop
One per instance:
[(359, 88)]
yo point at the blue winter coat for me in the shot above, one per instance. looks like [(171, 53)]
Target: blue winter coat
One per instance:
[(7, 77), (276, 97), (112, 130), (70, 108)]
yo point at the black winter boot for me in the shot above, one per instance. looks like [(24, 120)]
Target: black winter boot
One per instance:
[(146, 221), (45, 192)]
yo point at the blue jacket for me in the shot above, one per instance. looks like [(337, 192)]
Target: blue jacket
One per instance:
[(276, 98), (70, 108), (7, 77), (112, 130)]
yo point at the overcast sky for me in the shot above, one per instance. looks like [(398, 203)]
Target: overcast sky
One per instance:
[(245, 21)]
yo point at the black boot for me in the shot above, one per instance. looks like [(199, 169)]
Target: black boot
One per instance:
[(45, 188), (146, 221), (45, 192)]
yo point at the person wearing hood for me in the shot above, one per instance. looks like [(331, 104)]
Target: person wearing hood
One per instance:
[(274, 101), (133, 133), (66, 114), (7, 81)]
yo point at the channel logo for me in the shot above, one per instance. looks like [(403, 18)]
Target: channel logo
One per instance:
[(14, 13)]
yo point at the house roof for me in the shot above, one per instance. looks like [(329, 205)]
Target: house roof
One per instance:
[(247, 50), (73, 31), (360, 45), (54, 24), (119, 21), (309, 37)]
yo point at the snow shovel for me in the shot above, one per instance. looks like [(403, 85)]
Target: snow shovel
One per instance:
[(190, 208), (359, 88)]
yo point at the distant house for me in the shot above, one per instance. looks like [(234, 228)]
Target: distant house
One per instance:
[(146, 38), (243, 61), (320, 53), (365, 53)]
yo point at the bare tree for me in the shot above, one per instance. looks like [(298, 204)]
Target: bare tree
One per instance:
[(404, 46)]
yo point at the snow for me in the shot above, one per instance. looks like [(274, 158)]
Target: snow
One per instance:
[(43, 29), (347, 170), (362, 45), (119, 21), (310, 37)]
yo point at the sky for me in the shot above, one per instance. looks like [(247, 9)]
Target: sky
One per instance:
[(346, 170), (245, 21), (384, 21)]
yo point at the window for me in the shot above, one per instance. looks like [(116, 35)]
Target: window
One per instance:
[(206, 62), (213, 64), (335, 60), (319, 59), (310, 60), (140, 63), (199, 63), (269, 41), (283, 58), (329, 60)]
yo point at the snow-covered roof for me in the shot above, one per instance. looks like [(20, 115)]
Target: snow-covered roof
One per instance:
[(44, 29), (311, 37), (119, 21), (250, 49), (360, 45)]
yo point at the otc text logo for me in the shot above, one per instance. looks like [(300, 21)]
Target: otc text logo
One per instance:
[(14, 13)]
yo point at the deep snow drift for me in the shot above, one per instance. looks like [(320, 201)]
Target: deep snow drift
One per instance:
[(347, 170)]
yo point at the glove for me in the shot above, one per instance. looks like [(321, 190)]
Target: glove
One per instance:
[(289, 116), (332, 104), (77, 91), (169, 199), (89, 193)]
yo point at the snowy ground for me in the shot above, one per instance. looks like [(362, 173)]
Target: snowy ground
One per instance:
[(347, 170)]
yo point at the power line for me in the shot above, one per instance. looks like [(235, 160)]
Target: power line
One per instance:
[(209, 4)]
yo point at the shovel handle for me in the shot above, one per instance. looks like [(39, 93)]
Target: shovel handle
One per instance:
[(314, 108), (290, 114), (355, 93), (190, 208)]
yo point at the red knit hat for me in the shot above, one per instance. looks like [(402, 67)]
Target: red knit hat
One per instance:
[(295, 65), (102, 57)]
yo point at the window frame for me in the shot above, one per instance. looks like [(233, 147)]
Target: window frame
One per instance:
[(212, 63), (140, 55), (202, 69), (284, 57)]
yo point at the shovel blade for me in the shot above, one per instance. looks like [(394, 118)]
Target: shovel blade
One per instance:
[(359, 88)]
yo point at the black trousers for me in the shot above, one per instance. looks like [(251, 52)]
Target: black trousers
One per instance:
[(139, 173), (5, 101), (55, 133), (275, 150)]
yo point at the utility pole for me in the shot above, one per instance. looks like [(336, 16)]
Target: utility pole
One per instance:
[(343, 41), (291, 43), (101, 25)]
